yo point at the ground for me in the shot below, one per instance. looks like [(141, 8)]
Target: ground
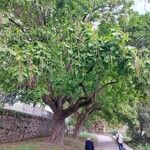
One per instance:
[(102, 142), (106, 142), (43, 144)]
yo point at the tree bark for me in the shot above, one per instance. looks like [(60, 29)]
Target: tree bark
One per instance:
[(57, 129), (78, 127), (81, 118), (58, 122)]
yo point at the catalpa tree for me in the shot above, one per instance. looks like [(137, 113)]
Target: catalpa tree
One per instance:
[(50, 53)]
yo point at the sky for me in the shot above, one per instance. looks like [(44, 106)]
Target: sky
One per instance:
[(141, 6)]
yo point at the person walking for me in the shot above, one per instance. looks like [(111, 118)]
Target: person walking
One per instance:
[(89, 144), (119, 138)]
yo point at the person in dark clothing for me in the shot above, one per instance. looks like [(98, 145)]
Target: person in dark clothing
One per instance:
[(89, 145)]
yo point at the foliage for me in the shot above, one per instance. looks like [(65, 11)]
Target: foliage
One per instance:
[(119, 99), (143, 147), (62, 50), (139, 35), (118, 102), (51, 53)]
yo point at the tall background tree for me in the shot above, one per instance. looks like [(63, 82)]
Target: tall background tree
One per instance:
[(139, 35)]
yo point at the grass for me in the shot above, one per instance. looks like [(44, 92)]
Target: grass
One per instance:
[(43, 144), (85, 135), (21, 147), (143, 147), (24, 146)]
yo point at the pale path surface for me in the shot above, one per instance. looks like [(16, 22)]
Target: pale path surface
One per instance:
[(106, 142)]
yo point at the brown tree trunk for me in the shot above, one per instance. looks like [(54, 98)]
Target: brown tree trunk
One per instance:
[(78, 127), (58, 122), (81, 118), (57, 129)]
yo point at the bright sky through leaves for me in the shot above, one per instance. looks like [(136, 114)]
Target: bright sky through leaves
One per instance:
[(141, 6)]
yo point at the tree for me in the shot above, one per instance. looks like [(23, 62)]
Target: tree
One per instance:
[(118, 106), (50, 53), (82, 115), (101, 106), (139, 34)]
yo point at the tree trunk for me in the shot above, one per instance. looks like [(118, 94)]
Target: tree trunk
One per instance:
[(58, 121), (81, 118), (77, 129), (57, 129)]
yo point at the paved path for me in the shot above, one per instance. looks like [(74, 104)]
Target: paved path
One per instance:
[(106, 142)]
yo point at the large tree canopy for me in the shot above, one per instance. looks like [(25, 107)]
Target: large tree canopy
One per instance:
[(52, 53)]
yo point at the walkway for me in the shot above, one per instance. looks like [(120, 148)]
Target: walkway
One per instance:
[(108, 143)]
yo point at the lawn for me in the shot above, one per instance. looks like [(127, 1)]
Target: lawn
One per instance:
[(142, 147), (43, 144), (85, 135)]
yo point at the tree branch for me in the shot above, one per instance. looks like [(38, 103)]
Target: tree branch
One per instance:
[(47, 99), (21, 27), (92, 108), (75, 107), (87, 16), (17, 24), (83, 88), (81, 83), (60, 101), (108, 83), (50, 88), (67, 99)]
